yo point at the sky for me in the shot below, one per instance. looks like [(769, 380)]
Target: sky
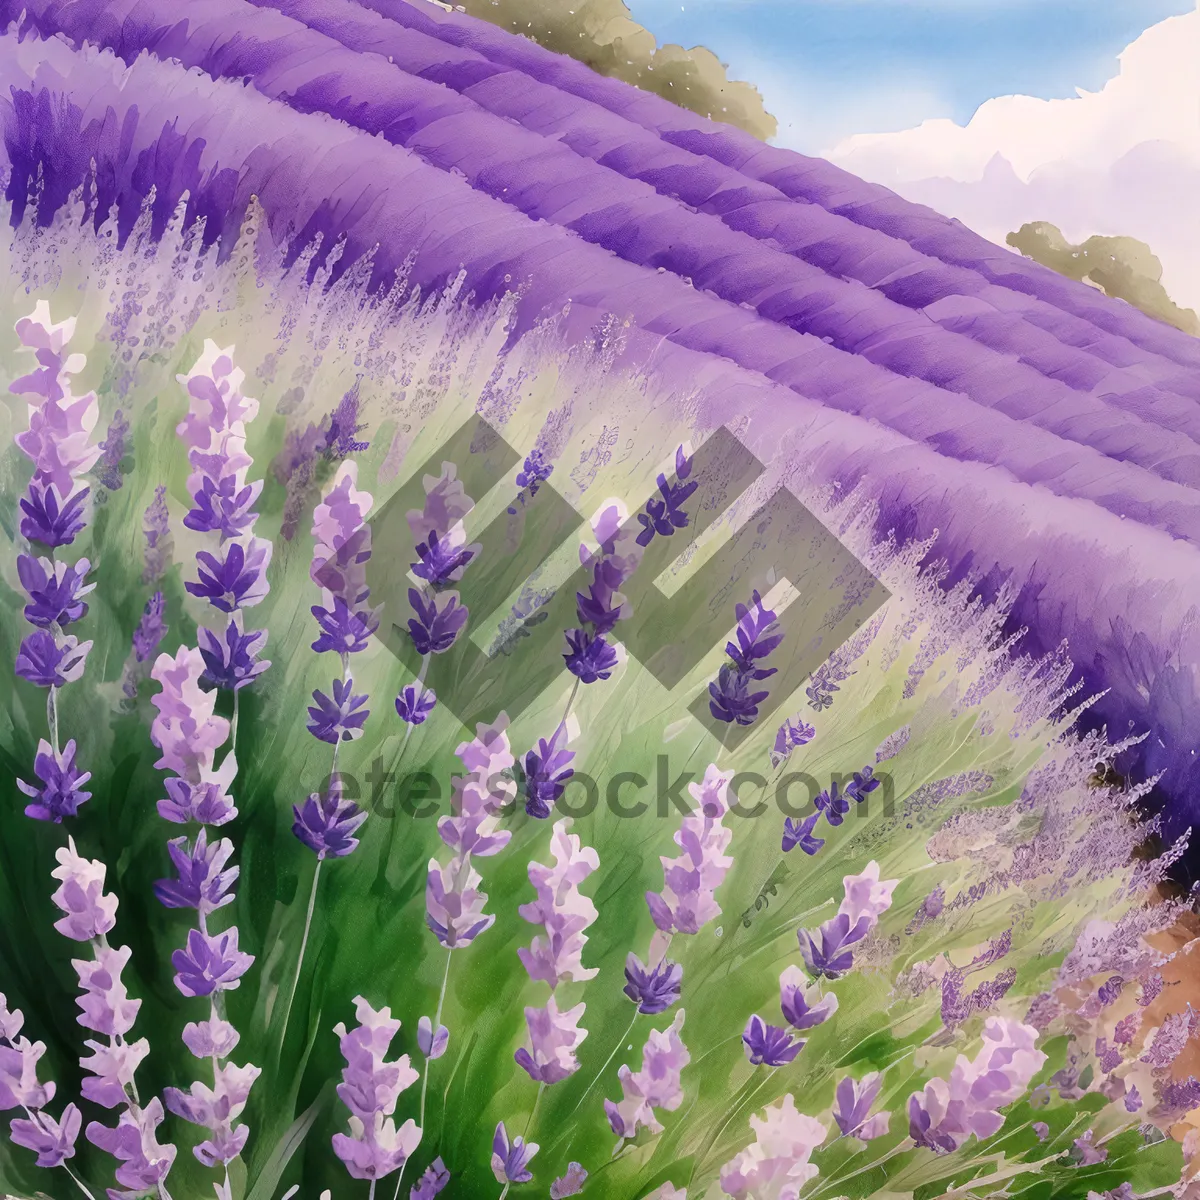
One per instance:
[(832, 68), (1084, 113)]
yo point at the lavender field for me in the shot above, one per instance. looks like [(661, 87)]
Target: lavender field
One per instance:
[(265, 263)]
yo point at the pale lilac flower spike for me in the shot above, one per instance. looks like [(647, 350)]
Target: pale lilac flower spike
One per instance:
[(686, 904), (656, 1085), (370, 1088), (53, 1141), (948, 1112), (852, 1108), (510, 1158), (777, 1163)]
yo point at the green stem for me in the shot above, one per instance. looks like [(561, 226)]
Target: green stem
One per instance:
[(78, 1182), (52, 717), (607, 1062), (737, 1107), (308, 916)]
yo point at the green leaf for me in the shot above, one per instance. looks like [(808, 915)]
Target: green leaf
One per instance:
[(273, 1169)]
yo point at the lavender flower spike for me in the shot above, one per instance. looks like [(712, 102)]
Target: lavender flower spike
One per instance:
[(562, 911), (341, 550), (144, 1162), (803, 1006), (554, 1036), (769, 1045), (653, 991), (547, 770), (370, 1088), (757, 637), (656, 1085), (947, 1113), (61, 784), (777, 1164), (686, 903)]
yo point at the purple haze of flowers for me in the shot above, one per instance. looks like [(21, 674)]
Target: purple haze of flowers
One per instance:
[(656, 1085), (547, 772), (370, 1088), (947, 1113), (108, 466), (852, 1108), (802, 1004), (203, 883), (326, 823), (54, 590), (230, 663), (144, 1162), (510, 1158), (209, 963), (151, 628), (664, 514), (791, 736), (156, 530), (50, 662), (800, 833), (757, 637), (453, 899), (340, 718), (59, 793), (554, 1037), (769, 1045), (562, 911), (653, 991), (415, 703), (431, 1183), (687, 902)]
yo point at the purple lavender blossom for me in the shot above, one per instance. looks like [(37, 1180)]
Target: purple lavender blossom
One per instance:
[(48, 662), (802, 1004), (415, 703), (589, 658), (1040, 1130), (224, 507), (769, 1045), (533, 473), (230, 664), (800, 833), (510, 1158), (326, 823), (432, 1042), (441, 561), (59, 794), (863, 783), (791, 736), (731, 699), (216, 1108), (828, 954), (203, 883), (239, 580), (340, 718), (653, 991), (554, 1038), (663, 516), (852, 1107), (88, 913), (431, 1183), (144, 1163), (833, 803), (49, 520), (206, 802), (151, 628), (758, 636), (54, 590), (1086, 1153), (656, 1085), (570, 1184), (433, 630), (343, 630), (547, 773), (209, 963), (52, 1141), (343, 424)]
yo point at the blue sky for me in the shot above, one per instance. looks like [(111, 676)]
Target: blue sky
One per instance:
[(830, 68)]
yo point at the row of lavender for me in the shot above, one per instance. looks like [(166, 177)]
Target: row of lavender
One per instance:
[(1097, 403)]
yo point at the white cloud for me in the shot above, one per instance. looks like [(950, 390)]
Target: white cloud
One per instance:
[(1123, 160)]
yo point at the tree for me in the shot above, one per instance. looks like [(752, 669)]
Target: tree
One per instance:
[(1122, 267)]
